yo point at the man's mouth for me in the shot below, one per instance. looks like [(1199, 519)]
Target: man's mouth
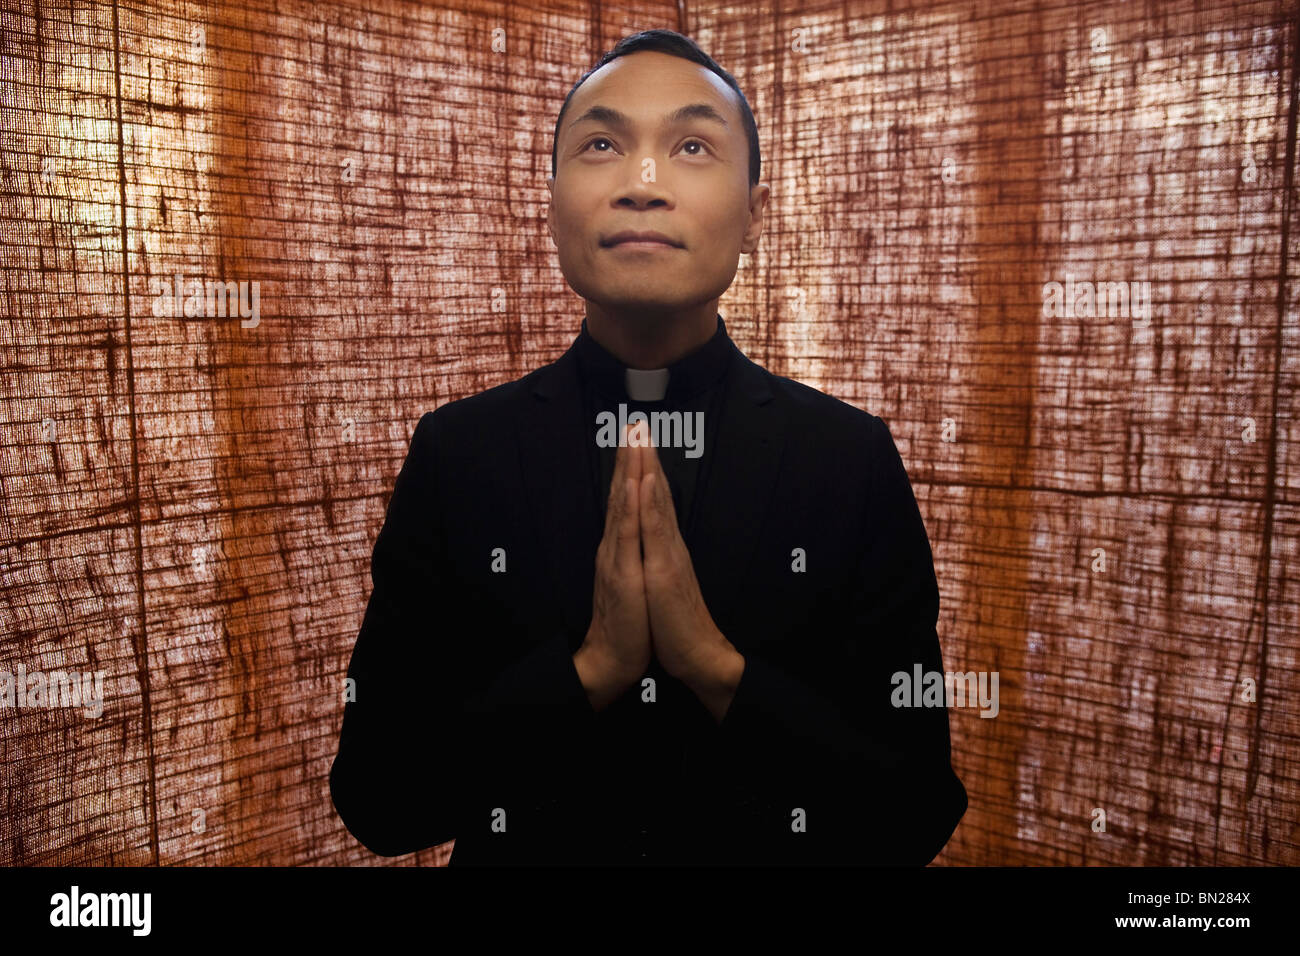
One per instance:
[(630, 239)]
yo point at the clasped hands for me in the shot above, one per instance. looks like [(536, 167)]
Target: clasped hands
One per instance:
[(645, 598)]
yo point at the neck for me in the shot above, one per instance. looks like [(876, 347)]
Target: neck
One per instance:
[(648, 341)]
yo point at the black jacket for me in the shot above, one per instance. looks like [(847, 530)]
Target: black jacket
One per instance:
[(469, 721)]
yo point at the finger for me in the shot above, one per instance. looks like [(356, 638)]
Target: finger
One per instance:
[(617, 502), (620, 466), (662, 500), (627, 546), (650, 459), (650, 514), (627, 553), (664, 530), (667, 506), (637, 436), (633, 464), (661, 496)]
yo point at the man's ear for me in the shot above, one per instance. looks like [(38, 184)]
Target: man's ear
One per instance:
[(757, 206), (550, 207)]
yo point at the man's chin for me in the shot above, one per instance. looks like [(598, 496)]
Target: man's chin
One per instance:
[(648, 305), (641, 311)]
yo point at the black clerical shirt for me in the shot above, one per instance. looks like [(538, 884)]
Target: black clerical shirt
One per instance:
[(694, 388)]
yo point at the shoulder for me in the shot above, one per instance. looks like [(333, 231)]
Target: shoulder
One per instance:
[(816, 415), (485, 411)]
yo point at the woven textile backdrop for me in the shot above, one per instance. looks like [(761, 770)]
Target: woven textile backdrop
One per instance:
[(1111, 485)]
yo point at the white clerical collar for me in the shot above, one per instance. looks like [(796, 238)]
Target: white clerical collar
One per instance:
[(646, 385)]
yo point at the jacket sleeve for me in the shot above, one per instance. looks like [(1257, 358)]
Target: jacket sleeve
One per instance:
[(437, 716), (874, 782)]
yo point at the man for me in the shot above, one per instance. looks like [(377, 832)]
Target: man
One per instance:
[(702, 672)]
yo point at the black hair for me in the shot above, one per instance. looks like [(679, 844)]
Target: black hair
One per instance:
[(674, 44)]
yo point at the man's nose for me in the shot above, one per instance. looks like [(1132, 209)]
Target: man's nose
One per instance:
[(645, 184)]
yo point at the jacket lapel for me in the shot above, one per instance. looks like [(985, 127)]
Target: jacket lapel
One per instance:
[(738, 488), (553, 462)]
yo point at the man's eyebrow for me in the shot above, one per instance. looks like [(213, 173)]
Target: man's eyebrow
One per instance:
[(612, 117)]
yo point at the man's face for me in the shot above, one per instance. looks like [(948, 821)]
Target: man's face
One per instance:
[(684, 177)]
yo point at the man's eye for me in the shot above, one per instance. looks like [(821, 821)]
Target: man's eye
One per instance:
[(703, 149), (598, 139)]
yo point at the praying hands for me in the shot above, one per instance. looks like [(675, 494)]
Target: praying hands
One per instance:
[(646, 600)]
